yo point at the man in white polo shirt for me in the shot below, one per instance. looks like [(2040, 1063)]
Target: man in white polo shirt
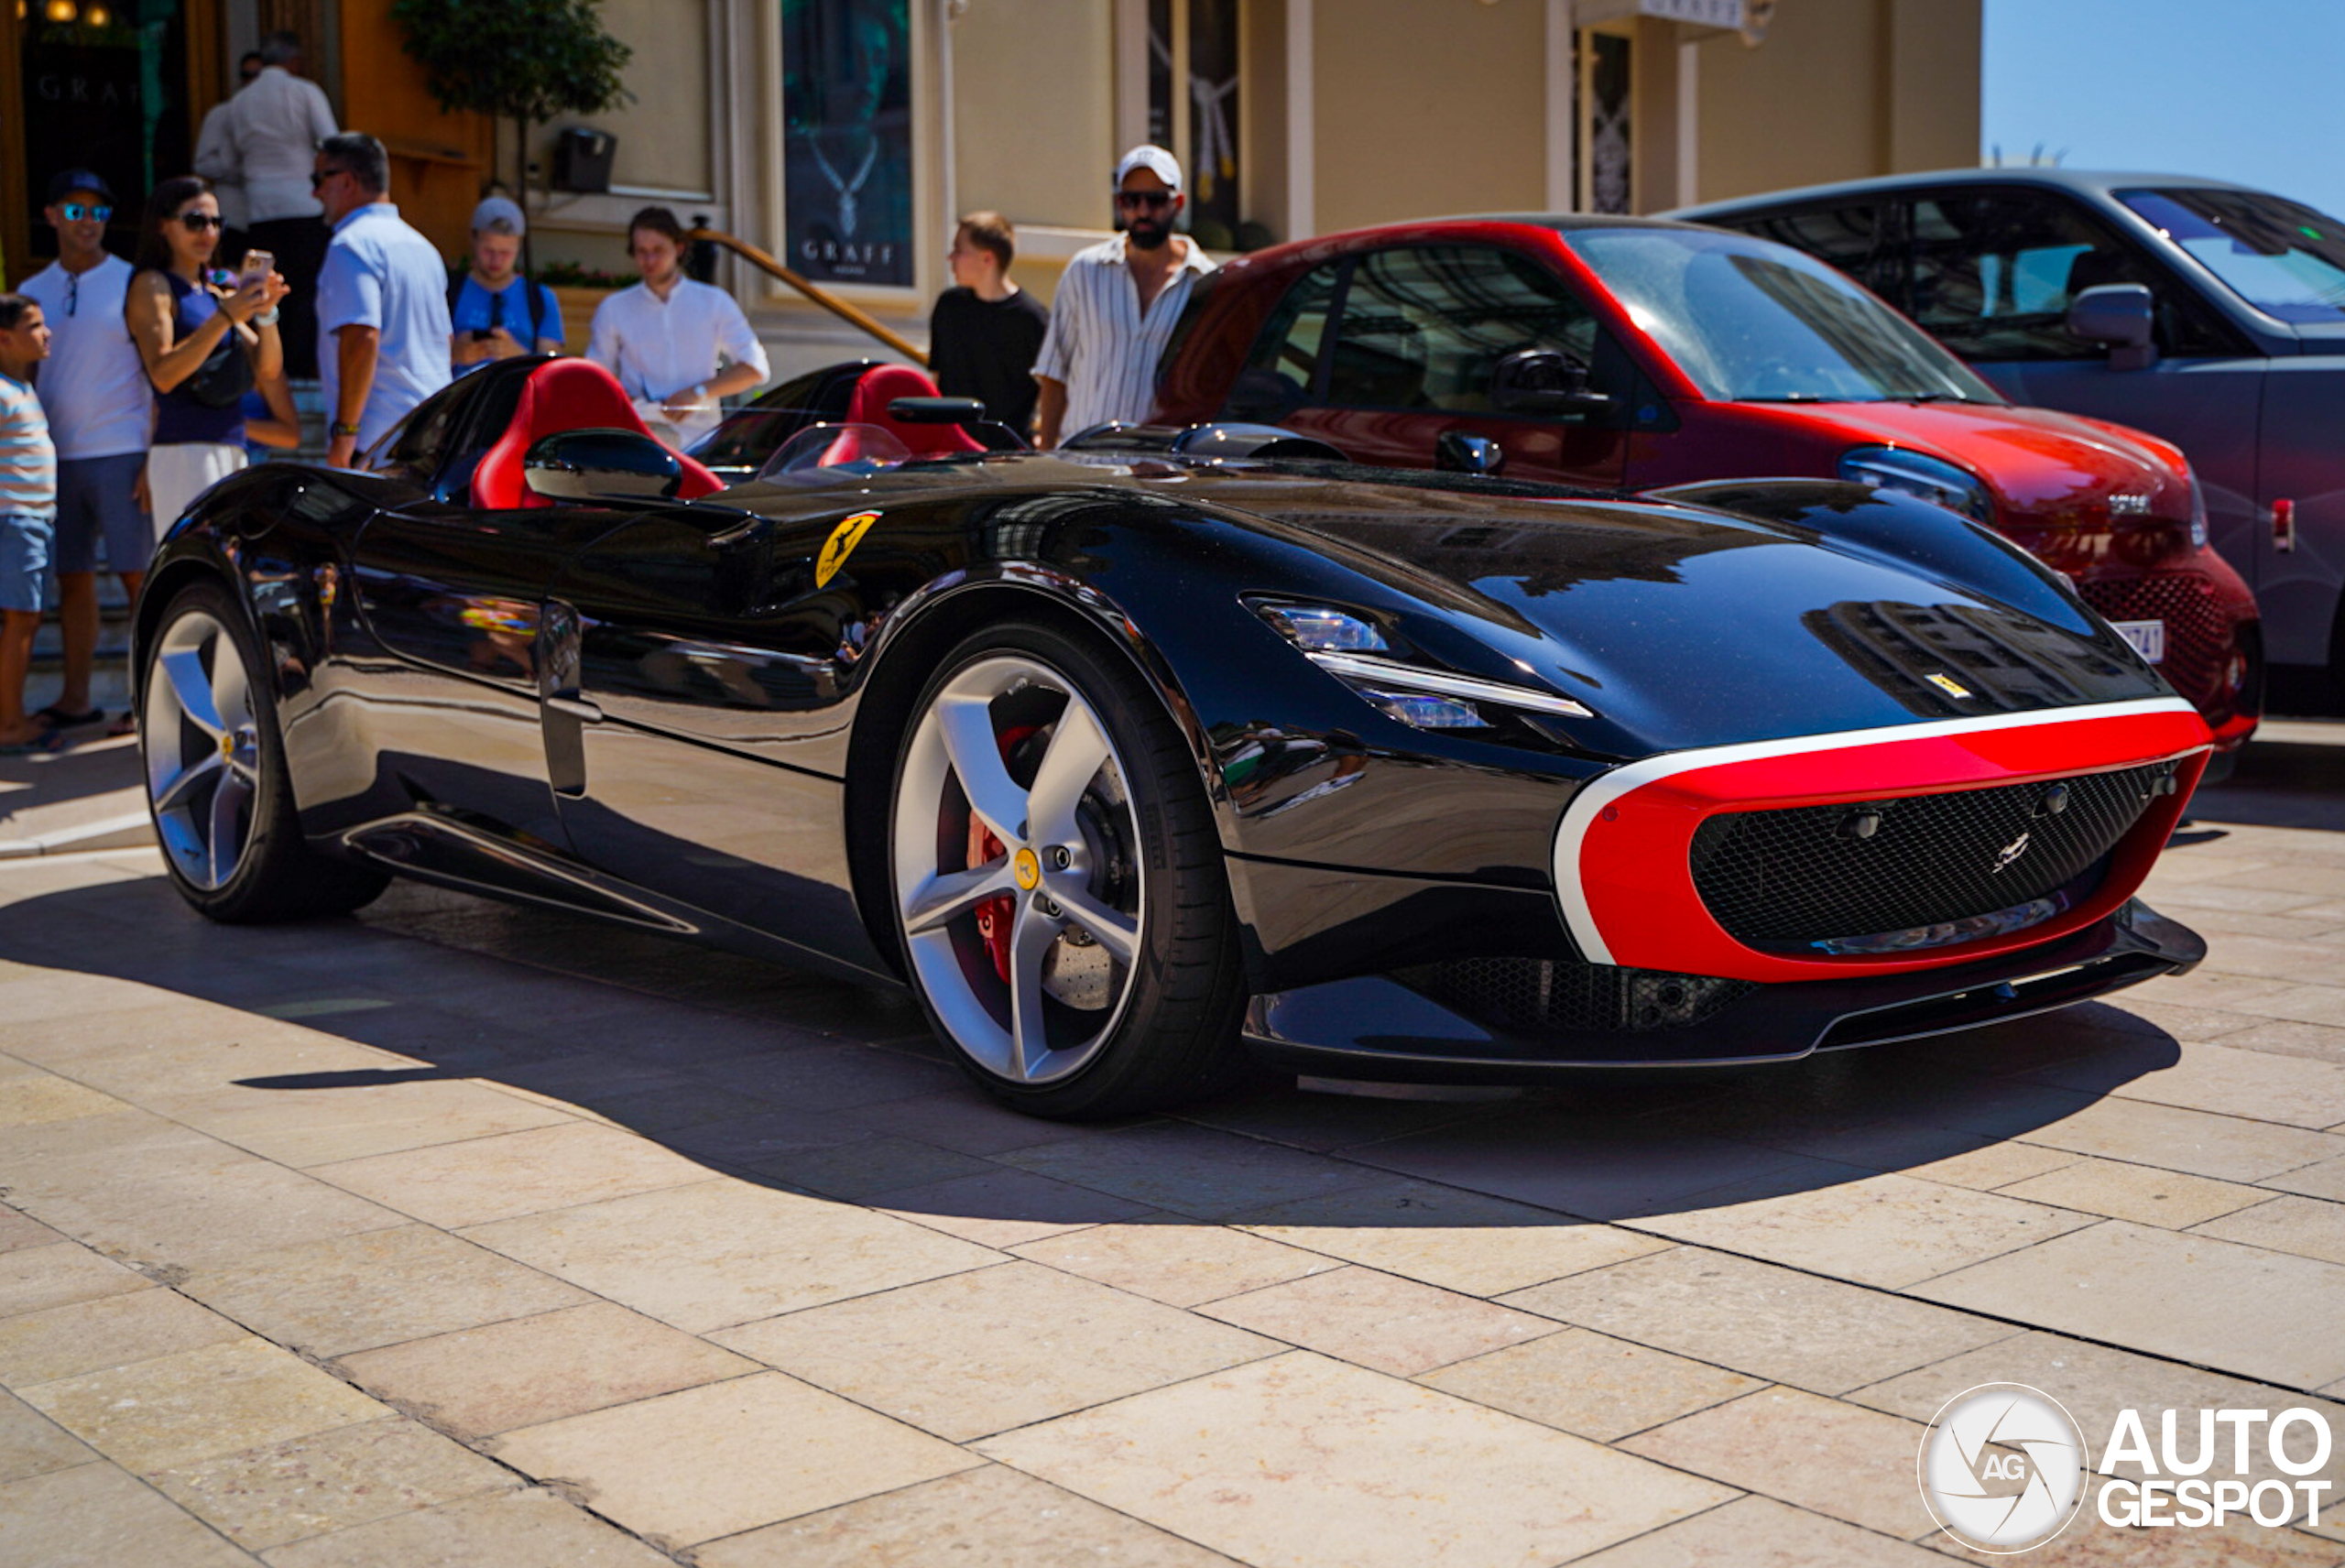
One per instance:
[(677, 346), (1117, 304), (93, 390)]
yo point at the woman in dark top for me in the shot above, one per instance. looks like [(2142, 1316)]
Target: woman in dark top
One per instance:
[(207, 339)]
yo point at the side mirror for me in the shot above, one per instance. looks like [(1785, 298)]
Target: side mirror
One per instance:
[(1541, 381), (2124, 316), (1456, 451), (590, 466)]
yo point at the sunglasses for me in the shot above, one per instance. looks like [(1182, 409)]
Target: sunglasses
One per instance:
[(76, 211), (196, 222), (323, 175), (1151, 200)]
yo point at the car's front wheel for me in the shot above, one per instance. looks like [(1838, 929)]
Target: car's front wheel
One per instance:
[(1057, 881), (216, 781)]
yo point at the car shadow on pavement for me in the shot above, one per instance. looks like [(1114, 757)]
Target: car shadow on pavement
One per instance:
[(799, 1082)]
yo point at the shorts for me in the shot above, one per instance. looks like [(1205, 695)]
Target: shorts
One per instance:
[(96, 502), (24, 560), (178, 473)]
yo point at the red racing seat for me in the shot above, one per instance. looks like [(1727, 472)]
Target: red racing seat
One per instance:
[(882, 384), (565, 395)]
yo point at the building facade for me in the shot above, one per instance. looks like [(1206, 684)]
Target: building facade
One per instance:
[(843, 136)]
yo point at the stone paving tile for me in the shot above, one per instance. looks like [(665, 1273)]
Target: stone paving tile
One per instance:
[(953, 1119), (190, 1222), (2201, 1143), (2140, 1192), (1379, 1320), (660, 1107), (34, 1278), (1759, 1532), (1992, 1167), (2314, 1042), (2308, 1228), (1321, 1121), (495, 1178), (995, 1348), (528, 1529), (1188, 1170), (2235, 1083), (1576, 1165), (318, 1127), (48, 1098), (111, 1331), (18, 1231), (672, 1468), (1590, 1384), (2261, 1314), (989, 1516), (723, 1252), (829, 1078), (1006, 1208), (1443, 1235), (2089, 1544), (32, 1444), (267, 1496), (2208, 987), (870, 1165), (1884, 1229), (198, 1404), (1302, 1460), (536, 1369), (1822, 1454), (2304, 1003), (1178, 1263), (2325, 1180), (1775, 1323), (94, 1515), (329, 1298)]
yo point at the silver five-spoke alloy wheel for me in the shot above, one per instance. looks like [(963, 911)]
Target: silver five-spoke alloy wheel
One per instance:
[(203, 750), (1016, 849)]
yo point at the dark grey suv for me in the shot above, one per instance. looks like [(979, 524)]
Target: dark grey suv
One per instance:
[(2216, 319)]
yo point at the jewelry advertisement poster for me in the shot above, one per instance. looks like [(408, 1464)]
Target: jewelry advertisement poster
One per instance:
[(847, 139)]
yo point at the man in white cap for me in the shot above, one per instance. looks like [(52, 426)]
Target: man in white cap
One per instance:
[(1117, 305), (497, 311)]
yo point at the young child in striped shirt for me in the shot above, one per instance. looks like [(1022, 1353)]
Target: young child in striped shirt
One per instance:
[(27, 515)]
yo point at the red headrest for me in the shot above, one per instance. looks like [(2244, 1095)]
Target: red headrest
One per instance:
[(882, 384), (564, 395)]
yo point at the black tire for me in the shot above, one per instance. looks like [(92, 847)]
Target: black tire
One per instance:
[(1174, 1030), (274, 875)]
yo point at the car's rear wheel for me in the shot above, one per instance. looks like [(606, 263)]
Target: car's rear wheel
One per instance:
[(216, 781), (1057, 881)]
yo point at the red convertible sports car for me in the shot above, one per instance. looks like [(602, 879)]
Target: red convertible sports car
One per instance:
[(1631, 354)]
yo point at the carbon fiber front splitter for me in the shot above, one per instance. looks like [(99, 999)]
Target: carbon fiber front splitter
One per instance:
[(1376, 1027)]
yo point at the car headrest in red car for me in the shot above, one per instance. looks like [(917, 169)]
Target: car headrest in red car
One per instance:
[(564, 395), (882, 384)]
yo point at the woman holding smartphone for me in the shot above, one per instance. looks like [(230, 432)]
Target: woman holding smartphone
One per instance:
[(207, 339)]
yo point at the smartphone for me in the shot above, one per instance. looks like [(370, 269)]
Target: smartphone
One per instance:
[(482, 335), (259, 263)]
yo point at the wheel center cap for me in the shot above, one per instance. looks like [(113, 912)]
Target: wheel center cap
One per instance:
[(1025, 869)]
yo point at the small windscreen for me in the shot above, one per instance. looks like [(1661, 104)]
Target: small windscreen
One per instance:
[(821, 453), (2283, 257)]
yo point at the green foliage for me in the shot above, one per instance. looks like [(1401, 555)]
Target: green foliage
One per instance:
[(518, 60)]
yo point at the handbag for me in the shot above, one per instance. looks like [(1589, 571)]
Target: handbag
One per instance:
[(224, 378)]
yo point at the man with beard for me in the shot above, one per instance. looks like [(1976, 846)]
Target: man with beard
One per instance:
[(1117, 305)]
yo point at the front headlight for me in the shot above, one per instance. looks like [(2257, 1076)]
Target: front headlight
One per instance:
[(1892, 468), (1355, 651), (2198, 530)]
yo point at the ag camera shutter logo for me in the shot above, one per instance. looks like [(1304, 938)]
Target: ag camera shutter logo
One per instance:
[(2002, 1467)]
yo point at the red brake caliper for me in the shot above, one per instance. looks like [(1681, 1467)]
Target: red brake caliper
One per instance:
[(994, 914)]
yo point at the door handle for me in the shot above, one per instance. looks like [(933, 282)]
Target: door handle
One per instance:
[(578, 708), (2283, 527)]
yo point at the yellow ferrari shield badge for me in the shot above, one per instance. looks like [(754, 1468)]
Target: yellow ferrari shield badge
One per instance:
[(840, 545)]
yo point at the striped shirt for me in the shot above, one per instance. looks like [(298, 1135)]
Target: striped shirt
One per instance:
[(27, 459), (1102, 344)]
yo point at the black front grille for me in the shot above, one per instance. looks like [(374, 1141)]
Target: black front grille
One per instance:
[(2197, 632), (1814, 874), (1525, 996)]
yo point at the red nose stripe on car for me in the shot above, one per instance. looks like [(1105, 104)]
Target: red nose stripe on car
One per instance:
[(1624, 874)]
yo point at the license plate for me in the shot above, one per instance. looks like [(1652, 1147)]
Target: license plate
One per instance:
[(2148, 638)]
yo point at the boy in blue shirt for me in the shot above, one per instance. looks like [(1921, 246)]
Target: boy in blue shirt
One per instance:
[(27, 515), (496, 312)]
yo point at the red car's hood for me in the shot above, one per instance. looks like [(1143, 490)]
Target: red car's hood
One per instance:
[(2051, 473)]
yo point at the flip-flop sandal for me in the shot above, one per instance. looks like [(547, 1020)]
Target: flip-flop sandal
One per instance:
[(47, 742), (57, 718), (125, 725)]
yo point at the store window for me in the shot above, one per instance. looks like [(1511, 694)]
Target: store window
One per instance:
[(104, 87), (1608, 170), (847, 140), (1193, 92)]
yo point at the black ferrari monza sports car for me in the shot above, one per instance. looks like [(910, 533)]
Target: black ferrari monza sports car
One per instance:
[(1129, 761)]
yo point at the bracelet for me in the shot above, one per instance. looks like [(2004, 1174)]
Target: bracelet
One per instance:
[(266, 319), (338, 430)]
